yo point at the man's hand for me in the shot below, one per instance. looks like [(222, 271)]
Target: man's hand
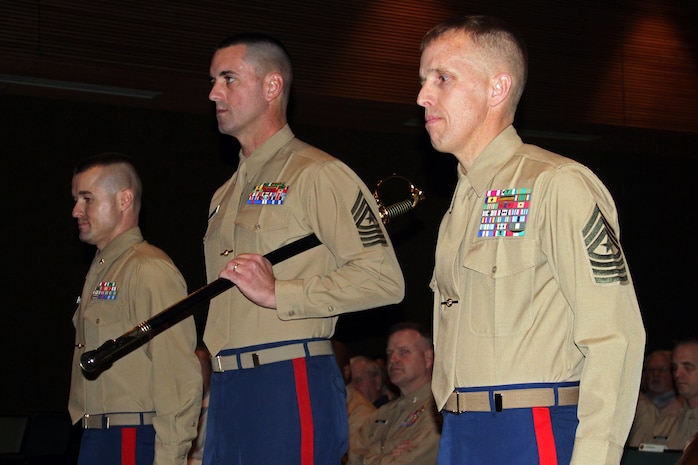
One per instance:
[(254, 276), (402, 448)]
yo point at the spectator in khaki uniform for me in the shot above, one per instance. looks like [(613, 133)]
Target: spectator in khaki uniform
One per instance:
[(658, 398), (277, 396), (359, 408), (684, 360), (538, 334), (143, 409), (658, 382), (405, 430), (673, 431)]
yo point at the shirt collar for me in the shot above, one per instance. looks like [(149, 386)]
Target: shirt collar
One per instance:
[(119, 245), (264, 152), (490, 161), (418, 396)]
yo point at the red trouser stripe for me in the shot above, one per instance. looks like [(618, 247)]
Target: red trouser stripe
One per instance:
[(547, 454), (305, 412), (128, 446)]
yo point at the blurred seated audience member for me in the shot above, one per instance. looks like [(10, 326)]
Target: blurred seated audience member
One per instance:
[(684, 361), (658, 382), (358, 407), (673, 431), (389, 390), (366, 378), (658, 396), (406, 430)]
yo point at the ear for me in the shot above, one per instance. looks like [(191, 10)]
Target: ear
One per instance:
[(125, 199), (429, 358), (501, 87), (273, 86)]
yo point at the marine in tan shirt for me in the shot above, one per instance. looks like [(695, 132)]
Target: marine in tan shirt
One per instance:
[(405, 430), (532, 292), (673, 430), (272, 330), (146, 404)]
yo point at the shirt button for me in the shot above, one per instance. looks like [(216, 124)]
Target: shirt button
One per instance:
[(258, 227), (494, 269), (291, 313), (330, 309), (97, 321)]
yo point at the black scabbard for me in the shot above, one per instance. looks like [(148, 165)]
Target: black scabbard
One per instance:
[(97, 360)]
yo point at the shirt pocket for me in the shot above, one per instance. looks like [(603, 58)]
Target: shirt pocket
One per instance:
[(263, 217), (500, 278), (103, 322), (265, 226)]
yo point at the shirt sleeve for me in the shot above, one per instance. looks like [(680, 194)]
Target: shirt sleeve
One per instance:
[(366, 274), (176, 377), (607, 328)]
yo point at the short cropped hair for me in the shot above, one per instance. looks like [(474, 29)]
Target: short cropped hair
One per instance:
[(266, 53), (496, 38), (124, 177), (418, 327), (685, 341)]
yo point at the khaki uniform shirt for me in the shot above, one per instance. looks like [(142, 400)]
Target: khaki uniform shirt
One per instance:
[(354, 269), (673, 430), (539, 290), (129, 282), (410, 418), (646, 416), (359, 409), (684, 429)]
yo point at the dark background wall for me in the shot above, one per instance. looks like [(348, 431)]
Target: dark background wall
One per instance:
[(183, 159), (646, 154)]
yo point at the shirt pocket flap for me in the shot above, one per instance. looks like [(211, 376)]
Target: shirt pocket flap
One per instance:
[(501, 258), (263, 218)]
